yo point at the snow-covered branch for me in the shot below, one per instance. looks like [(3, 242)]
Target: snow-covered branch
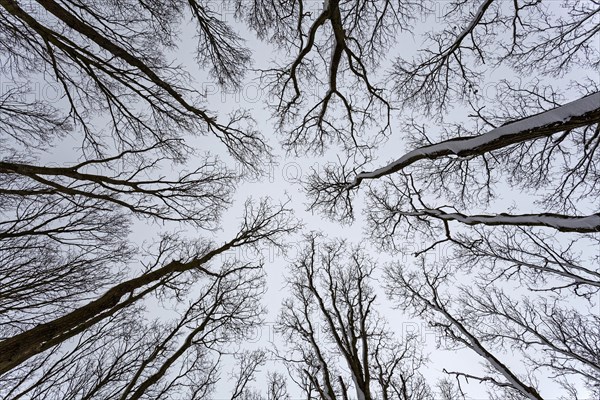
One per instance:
[(582, 112), (563, 223)]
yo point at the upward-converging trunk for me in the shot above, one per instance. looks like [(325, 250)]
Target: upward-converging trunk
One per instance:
[(19, 348)]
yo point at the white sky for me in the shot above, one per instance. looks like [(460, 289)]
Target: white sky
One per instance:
[(282, 181)]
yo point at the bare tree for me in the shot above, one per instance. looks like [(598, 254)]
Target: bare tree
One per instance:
[(554, 337), (337, 342), (333, 46), (525, 135), (73, 283), (127, 358), (72, 292), (528, 137), (115, 354), (277, 387), (332, 192), (260, 224), (108, 59), (420, 294)]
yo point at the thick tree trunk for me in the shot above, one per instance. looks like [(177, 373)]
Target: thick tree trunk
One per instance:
[(19, 348)]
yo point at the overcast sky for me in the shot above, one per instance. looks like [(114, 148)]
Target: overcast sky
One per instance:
[(281, 182)]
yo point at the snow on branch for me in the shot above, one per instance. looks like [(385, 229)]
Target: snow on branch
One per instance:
[(582, 112), (563, 223)]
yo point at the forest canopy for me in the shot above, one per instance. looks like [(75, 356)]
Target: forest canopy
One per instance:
[(469, 130)]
